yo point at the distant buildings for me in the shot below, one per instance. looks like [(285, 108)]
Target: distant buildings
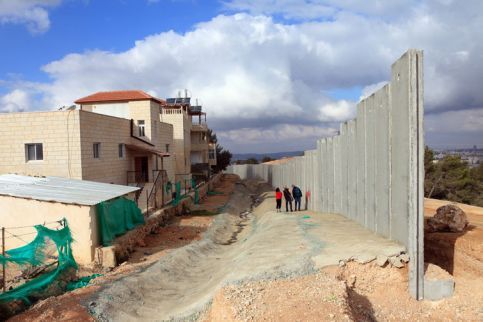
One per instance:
[(473, 156)]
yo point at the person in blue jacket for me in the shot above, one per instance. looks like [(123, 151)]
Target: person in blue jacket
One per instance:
[(297, 196)]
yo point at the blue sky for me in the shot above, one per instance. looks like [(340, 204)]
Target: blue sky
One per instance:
[(266, 71), (78, 26)]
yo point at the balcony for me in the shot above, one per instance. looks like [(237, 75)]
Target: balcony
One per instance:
[(199, 127), (199, 146)]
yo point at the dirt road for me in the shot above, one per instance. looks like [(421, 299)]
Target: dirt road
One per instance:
[(243, 244), (252, 263)]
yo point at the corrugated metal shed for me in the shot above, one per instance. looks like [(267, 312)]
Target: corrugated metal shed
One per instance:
[(56, 189)]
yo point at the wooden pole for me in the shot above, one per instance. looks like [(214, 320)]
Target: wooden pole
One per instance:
[(3, 263)]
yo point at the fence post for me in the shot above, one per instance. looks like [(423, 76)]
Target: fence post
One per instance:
[(3, 263), (147, 203)]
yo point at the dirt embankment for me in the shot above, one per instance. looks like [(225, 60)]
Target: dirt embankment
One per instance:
[(246, 264), (461, 254), (178, 233)]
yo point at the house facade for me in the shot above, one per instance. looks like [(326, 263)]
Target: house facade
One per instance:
[(151, 139)]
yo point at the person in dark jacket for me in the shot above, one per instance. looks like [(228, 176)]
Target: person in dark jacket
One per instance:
[(288, 199), (297, 195)]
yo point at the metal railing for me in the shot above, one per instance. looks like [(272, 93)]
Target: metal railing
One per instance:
[(155, 198), (135, 177)]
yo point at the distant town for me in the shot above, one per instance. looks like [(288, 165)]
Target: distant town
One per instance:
[(473, 156)]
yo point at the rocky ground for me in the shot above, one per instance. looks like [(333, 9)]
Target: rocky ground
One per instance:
[(347, 292)]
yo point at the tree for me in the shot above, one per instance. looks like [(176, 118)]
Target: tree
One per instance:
[(267, 159), (252, 161), (452, 179), (223, 157)]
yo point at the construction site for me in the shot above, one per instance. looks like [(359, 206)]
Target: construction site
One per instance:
[(363, 247)]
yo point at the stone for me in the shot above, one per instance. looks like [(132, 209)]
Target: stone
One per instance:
[(438, 283), (448, 218), (381, 260), (404, 257), (106, 256), (396, 262)]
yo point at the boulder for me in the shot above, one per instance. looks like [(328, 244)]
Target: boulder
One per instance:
[(448, 218)]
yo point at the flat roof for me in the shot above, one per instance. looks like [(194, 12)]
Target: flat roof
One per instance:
[(62, 190)]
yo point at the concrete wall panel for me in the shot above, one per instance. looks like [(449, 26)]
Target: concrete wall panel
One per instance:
[(373, 171)]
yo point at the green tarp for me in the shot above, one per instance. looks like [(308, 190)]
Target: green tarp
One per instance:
[(116, 217), (35, 253)]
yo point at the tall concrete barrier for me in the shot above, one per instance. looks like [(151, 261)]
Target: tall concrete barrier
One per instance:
[(373, 171)]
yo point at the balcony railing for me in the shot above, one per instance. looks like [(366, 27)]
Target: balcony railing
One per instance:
[(199, 146), (199, 127)]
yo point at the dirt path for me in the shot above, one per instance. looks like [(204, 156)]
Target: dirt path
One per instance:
[(251, 263), (180, 232), (238, 247)]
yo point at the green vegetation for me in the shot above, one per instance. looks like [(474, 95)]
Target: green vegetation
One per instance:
[(452, 179), (267, 159), (223, 157)]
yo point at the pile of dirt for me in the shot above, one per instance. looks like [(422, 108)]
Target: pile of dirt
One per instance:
[(314, 297)]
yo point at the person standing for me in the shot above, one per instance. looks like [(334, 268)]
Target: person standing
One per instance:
[(278, 198), (288, 199), (297, 195)]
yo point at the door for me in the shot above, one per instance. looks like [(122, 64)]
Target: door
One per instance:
[(141, 168)]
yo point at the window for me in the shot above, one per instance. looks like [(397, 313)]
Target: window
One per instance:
[(121, 151), (97, 150), (141, 128), (167, 148), (34, 152), (212, 154)]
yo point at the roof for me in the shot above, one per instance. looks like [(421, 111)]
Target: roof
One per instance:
[(118, 96), (148, 150), (63, 190)]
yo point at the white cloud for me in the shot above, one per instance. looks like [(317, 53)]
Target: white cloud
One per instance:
[(15, 101), (32, 13), (257, 74), (337, 111)]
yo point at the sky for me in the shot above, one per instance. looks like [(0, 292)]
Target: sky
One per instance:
[(273, 75)]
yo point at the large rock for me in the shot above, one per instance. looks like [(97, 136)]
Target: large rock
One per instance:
[(448, 218)]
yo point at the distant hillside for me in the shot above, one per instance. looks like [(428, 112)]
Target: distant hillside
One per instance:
[(260, 156)]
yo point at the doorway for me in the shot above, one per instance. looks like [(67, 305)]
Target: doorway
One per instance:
[(141, 168)]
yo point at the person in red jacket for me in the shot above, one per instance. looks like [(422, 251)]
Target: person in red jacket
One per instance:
[(278, 198)]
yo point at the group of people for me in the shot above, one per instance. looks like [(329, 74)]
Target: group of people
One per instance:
[(295, 195)]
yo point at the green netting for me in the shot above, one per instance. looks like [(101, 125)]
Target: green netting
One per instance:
[(193, 183), (81, 282), (168, 187), (178, 194), (116, 217), (197, 197), (36, 253)]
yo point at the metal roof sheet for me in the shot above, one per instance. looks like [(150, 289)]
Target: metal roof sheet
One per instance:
[(56, 189)]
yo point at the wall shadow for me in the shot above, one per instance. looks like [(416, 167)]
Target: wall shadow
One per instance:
[(439, 247), (360, 307)]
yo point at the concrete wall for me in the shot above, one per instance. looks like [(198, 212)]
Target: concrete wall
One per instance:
[(372, 172), (82, 220)]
